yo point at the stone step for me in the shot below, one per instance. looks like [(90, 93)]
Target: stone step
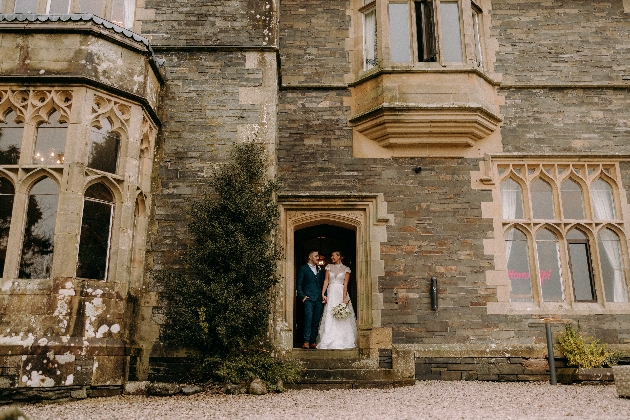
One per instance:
[(324, 354), (351, 374)]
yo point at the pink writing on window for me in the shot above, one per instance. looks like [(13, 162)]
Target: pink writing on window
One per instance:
[(515, 275)]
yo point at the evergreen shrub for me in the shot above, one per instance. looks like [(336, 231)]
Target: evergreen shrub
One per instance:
[(584, 352), (220, 308)]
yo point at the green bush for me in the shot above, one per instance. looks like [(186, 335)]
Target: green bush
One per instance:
[(220, 308), (586, 352)]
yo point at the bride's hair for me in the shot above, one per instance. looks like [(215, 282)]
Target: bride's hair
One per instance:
[(341, 256)]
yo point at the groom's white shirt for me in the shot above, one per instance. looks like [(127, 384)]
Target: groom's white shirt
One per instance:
[(313, 268)]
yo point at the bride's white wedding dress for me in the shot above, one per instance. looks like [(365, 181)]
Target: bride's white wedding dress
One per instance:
[(336, 333)]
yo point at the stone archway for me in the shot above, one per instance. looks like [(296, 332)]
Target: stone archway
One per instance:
[(365, 214)]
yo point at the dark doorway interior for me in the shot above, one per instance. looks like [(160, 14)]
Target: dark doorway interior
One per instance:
[(325, 239)]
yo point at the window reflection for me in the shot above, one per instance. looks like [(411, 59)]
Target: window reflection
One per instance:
[(58, 7), (104, 148), (603, 201), (451, 34), (580, 265), (512, 200), (10, 139), (572, 200), (518, 266), (399, 32), (549, 273), (26, 6), (542, 200), (38, 243), (95, 7), (98, 208), (6, 209), (51, 141), (611, 261)]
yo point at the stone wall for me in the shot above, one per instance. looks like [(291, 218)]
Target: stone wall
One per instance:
[(561, 42), (312, 41), (216, 22)]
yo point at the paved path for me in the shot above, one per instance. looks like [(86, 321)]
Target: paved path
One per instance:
[(425, 400)]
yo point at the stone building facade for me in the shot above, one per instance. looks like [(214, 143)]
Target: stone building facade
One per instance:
[(481, 142)]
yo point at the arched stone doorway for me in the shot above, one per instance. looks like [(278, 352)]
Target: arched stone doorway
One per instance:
[(324, 238), (349, 216)]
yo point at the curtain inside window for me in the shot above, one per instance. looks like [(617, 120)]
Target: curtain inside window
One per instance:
[(602, 198), (369, 39), (609, 243), (130, 10)]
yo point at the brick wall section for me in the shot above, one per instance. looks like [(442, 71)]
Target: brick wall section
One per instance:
[(312, 41), (213, 22), (561, 41), (201, 111)]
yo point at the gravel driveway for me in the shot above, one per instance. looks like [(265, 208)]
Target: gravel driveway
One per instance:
[(425, 400)]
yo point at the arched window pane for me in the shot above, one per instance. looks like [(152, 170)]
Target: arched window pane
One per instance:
[(25, 6), (10, 140), (104, 147), (51, 141), (58, 7), (512, 199), (542, 200), (38, 244), (6, 209), (611, 261), (549, 274), (572, 200), (95, 233), (580, 265), (518, 266), (603, 201)]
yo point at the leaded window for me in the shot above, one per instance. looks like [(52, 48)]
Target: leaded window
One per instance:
[(39, 230), (11, 131), (562, 226), (96, 225)]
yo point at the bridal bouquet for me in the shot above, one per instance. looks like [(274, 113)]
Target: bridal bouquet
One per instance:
[(341, 311)]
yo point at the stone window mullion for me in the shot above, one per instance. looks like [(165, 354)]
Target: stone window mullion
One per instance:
[(14, 243)]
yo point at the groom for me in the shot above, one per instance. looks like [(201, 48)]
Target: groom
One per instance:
[(309, 287)]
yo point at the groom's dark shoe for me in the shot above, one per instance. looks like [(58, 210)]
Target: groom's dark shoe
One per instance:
[(313, 346), (305, 346)]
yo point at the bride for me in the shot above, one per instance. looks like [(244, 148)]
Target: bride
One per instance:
[(336, 333)]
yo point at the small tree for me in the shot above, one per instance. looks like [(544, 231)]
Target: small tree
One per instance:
[(220, 309)]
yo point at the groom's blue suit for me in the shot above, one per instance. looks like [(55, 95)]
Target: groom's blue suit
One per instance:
[(310, 284)]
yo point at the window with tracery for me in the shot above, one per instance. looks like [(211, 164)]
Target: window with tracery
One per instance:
[(39, 231), (96, 225), (104, 146), (60, 167), (50, 142), (11, 131), (563, 235)]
